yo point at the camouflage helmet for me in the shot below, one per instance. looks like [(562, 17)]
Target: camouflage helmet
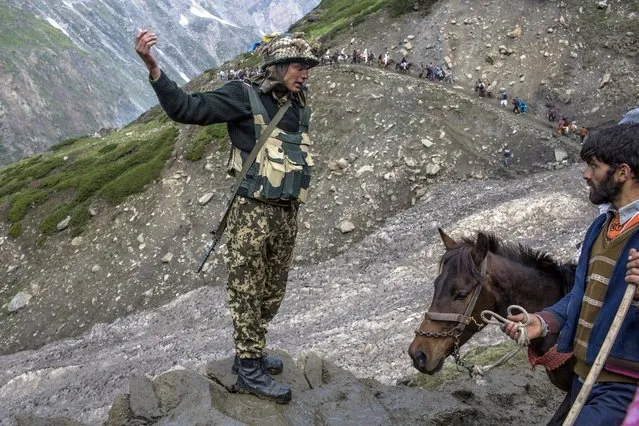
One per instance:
[(290, 48)]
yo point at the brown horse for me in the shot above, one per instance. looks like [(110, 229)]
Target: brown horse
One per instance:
[(390, 63), (487, 273)]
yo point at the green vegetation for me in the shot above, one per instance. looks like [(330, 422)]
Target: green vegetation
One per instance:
[(333, 16), (108, 148), (249, 59), (65, 143), (110, 168), (23, 31), (15, 230), (197, 146), (154, 114)]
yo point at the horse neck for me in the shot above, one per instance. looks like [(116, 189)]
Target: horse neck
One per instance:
[(517, 284)]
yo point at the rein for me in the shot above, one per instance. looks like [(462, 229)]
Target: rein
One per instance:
[(462, 320)]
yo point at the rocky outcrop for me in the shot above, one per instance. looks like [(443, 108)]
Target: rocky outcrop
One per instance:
[(323, 393)]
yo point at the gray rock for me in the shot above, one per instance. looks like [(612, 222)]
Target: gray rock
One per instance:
[(364, 169), (342, 163), (560, 154), (19, 301), (605, 80), (167, 257), (313, 370), (143, 400), (64, 224), (432, 169), (427, 142), (120, 413), (346, 226), (204, 199)]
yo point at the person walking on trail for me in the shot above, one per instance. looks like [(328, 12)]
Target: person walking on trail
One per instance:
[(503, 97), (583, 317), (583, 134), (508, 157), (262, 222)]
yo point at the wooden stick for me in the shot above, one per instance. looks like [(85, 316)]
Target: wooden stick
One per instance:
[(602, 356)]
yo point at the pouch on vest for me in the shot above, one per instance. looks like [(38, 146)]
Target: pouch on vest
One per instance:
[(282, 169)]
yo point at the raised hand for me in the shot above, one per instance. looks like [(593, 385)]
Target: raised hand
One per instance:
[(144, 41)]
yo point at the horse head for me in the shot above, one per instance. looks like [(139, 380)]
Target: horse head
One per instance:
[(462, 291), (475, 275)]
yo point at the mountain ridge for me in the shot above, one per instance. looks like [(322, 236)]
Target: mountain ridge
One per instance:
[(78, 72)]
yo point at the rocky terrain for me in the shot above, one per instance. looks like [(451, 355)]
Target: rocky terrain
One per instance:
[(397, 156), (357, 310), (69, 68)]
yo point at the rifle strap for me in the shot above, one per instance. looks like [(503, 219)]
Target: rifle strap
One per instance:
[(246, 164)]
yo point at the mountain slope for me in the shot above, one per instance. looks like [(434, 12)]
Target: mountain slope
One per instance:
[(397, 136), (580, 57), (381, 139), (396, 157), (69, 67)]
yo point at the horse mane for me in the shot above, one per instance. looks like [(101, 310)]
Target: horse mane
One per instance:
[(519, 253)]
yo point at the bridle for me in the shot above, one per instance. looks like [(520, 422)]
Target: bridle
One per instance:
[(462, 320)]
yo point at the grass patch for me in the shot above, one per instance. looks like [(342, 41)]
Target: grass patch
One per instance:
[(197, 146), (333, 16), (134, 179), (156, 114), (24, 31), (48, 225), (65, 143), (15, 230), (108, 148), (484, 355), (112, 168), (24, 201)]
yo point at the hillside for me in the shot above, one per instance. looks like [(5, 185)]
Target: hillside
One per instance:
[(390, 160), (580, 57), (397, 156), (69, 68)]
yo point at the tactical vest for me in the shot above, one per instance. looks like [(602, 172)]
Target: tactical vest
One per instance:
[(282, 169)]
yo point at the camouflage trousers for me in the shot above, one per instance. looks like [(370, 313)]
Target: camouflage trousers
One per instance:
[(260, 249)]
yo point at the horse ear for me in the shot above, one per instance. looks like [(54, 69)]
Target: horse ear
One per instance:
[(482, 246), (449, 243)]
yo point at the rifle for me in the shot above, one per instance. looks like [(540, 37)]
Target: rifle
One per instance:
[(217, 233), (208, 252)]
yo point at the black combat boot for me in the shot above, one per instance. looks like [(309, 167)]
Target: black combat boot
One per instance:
[(251, 378), (272, 365)]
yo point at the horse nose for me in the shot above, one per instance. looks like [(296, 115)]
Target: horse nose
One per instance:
[(419, 360)]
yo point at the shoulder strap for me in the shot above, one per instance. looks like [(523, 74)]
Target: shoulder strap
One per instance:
[(248, 162)]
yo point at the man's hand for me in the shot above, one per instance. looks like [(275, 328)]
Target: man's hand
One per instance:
[(632, 271), (144, 41), (533, 329)]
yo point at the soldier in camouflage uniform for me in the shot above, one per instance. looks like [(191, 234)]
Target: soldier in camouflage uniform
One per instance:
[(262, 222)]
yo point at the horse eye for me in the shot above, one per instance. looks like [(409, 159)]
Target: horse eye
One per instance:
[(461, 295)]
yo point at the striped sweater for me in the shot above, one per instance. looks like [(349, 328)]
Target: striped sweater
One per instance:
[(603, 258)]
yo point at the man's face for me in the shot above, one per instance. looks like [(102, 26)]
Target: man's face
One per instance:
[(296, 75), (604, 187)]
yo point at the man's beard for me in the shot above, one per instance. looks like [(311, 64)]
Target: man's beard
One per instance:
[(607, 191)]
